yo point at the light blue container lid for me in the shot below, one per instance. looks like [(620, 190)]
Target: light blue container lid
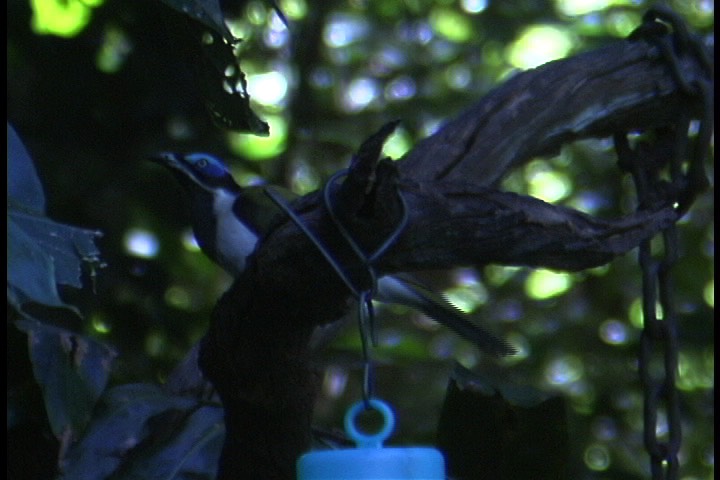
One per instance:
[(370, 460)]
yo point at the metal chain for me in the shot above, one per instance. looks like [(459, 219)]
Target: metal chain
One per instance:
[(658, 358), (658, 341), (655, 29)]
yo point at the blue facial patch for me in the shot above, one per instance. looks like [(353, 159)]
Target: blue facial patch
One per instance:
[(207, 165)]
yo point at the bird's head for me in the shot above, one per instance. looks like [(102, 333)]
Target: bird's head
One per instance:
[(227, 219), (198, 171)]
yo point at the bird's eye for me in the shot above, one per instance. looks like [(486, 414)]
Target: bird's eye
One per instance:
[(202, 163)]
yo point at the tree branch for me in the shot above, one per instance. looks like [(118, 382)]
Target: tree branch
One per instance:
[(256, 351), (621, 87)]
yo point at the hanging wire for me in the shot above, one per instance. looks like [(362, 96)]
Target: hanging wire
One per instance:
[(366, 325), (283, 205), (366, 312), (367, 260)]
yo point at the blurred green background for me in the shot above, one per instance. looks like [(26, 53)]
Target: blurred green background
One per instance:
[(95, 87)]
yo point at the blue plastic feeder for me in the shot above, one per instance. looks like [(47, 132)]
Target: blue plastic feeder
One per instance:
[(370, 460)]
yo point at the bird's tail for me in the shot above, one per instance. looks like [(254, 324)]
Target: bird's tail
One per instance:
[(392, 289)]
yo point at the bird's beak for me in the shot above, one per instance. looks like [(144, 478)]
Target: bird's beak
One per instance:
[(167, 159)]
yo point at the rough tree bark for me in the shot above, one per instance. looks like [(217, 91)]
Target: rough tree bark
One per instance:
[(256, 350)]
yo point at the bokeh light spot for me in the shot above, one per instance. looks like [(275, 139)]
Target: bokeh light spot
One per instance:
[(178, 297), (605, 428), (613, 332), (597, 457), (141, 243), (635, 312), (114, 50), (694, 372), (359, 94), (335, 381), (100, 324), (542, 284), (573, 8), (189, 242), (256, 13), (277, 35), (473, 6), (468, 295), (155, 343), (709, 293), (294, 9), (64, 18), (458, 76), (343, 30), (269, 89), (400, 88), (564, 370), (305, 179), (622, 23), (588, 202), (497, 275), (397, 145), (548, 185), (253, 147), (539, 44), (450, 24)]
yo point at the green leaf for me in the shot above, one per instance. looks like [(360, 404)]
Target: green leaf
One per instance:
[(66, 245), (30, 271), (72, 371), (24, 187), (225, 89), (207, 12), (41, 252), (209, 52), (141, 431), (189, 447)]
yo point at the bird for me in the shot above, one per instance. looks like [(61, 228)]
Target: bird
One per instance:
[(228, 221)]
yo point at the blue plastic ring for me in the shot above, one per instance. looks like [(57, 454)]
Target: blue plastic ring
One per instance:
[(365, 440)]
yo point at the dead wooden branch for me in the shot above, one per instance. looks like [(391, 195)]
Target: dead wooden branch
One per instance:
[(256, 351)]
